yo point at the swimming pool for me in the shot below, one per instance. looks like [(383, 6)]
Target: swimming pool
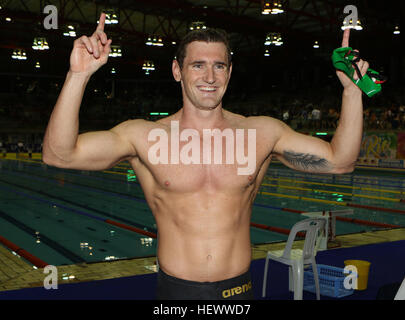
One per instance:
[(66, 216)]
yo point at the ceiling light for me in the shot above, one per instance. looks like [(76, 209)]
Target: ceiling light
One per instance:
[(110, 16), (148, 66), (396, 30), (19, 54), (350, 25), (69, 31), (40, 43), (198, 25), (273, 38), (154, 41), (115, 51), (272, 7)]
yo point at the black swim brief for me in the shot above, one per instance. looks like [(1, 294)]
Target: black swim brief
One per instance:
[(171, 288)]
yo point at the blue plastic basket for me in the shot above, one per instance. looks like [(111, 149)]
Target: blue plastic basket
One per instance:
[(330, 281)]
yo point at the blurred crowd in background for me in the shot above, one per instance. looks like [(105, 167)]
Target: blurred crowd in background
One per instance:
[(25, 109)]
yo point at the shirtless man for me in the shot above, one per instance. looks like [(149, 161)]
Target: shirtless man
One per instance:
[(202, 210)]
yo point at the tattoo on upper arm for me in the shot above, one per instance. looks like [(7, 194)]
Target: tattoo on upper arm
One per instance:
[(306, 161)]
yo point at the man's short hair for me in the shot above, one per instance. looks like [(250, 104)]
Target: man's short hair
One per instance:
[(205, 35)]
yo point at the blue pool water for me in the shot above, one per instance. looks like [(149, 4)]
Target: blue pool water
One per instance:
[(59, 215)]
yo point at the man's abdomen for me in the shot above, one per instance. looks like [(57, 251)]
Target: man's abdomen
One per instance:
[(205, 259)]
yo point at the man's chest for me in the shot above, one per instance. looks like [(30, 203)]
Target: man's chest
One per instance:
[(187, 160)]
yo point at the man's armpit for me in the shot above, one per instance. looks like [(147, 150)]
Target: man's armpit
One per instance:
[(306, 161)]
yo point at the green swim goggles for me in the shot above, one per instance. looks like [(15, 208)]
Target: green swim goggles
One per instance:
[(345, 59)]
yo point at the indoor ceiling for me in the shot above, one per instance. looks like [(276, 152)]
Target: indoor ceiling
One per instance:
[(302, 23)]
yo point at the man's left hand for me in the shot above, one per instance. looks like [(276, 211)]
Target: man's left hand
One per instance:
[(363, 66)]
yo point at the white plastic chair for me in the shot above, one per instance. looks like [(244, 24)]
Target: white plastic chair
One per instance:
[(296, 259), (401, 292)]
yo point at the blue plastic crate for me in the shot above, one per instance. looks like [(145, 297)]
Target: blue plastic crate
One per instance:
[(330, 281)]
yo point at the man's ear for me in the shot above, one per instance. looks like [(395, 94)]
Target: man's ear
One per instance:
[(176, 71), (230, 70)]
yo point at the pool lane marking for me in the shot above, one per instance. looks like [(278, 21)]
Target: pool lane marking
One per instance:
[(321, 190), (319, 200), (96, 190), (275, 229), (333, 192), (357, 221), (355, 176), (23, 253), (299, 181), (321, 184), (343, 219), (260, 226), (326, 201), (115, 172), (335, 185), (76, 173), (269, 178), (70, 255), (74, 184), (112, 222), (38, 156), (339, 203), (256, 225), (40, 162)]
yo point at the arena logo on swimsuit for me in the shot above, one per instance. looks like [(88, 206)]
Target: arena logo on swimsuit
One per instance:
[(190, 153), (237, 290)]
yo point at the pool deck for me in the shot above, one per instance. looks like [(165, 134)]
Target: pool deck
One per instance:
[(15, 273)]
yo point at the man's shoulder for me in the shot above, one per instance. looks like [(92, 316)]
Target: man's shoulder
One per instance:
[(136, 123), (266, 128), (134, 127), (249, 120), (263, 122), (136, 131)]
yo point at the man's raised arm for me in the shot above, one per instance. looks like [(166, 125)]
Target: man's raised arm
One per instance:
[(62, 145), (311, 154)]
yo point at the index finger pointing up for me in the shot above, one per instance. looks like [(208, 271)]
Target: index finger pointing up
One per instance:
[(345, 40), (101, 22)]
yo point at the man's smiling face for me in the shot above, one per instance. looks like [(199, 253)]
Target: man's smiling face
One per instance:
[(205, 74)]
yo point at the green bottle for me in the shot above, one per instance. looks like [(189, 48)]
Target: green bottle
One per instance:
[(344, 59)]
